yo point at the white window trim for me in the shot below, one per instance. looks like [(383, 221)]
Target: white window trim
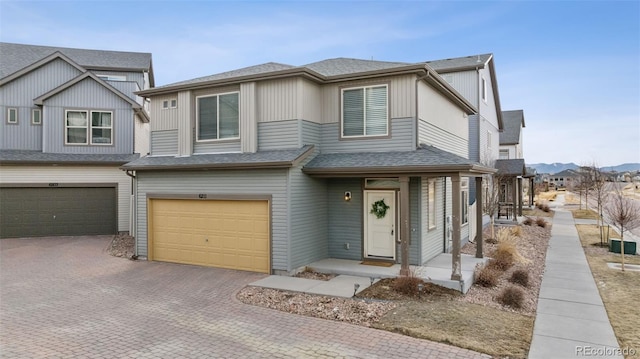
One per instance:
[(112, 77), (217, 117), (15, 111), (67, 127), (169, 103), (165, 104), (386, 86), (90, 137), (33, 116)]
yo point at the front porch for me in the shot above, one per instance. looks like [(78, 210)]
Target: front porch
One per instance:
[(436, 270)]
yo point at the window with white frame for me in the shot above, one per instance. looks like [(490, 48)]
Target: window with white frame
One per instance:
[(504, 154), (36, 116), (165, 104), (112, 77), (365, 111), (12, 115), (432, 204), (174, 103), (169, 103), (464, 187), (80, 129), (218, 117), (484, 90)]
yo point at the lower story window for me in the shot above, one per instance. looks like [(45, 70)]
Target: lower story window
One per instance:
[(465, 201)]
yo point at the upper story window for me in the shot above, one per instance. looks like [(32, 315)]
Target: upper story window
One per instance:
[(80, 131), (172, 103), (484, 90), (36, 116), (504, 154), (218, 117), (12, 115), (365, 111), (112, 77)]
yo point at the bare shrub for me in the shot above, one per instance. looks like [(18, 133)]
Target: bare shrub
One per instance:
[(527, 221), (546, 208), (516, 231), (487, 276), (520, 276), (512, 297), (541, 222), (407, 285), (491, 240)]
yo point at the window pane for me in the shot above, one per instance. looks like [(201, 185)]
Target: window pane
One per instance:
[(207, 118), (353, 112), (13, 115), (37, 116), (76, 135), (101, 135), (101, 119), (432, 204), (376, 120), (76, 118), (229, 116)]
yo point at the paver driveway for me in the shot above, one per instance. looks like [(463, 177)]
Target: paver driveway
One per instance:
[(65, 297)]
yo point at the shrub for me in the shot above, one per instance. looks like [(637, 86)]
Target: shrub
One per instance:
[(546, 208), (406, 285), (516, 231), (527, 221), (501, 261), (520, 276), (491, 240), (487, 276), (512, 297), (504, 235), (541, 222)]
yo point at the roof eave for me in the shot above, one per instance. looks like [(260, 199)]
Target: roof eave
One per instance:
[(400, 170), (217, 166)]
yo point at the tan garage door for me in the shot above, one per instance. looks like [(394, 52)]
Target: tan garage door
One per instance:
[(218, 233)]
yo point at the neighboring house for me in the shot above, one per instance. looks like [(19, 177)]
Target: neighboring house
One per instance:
[(69, 118), (272, 167), (563, 179), (511, 164), (475, 78)]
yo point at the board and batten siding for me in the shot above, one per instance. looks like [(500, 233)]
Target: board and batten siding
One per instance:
[(76, 174), (401, 97), (345, 219), (164, 118), (432, 238), (402, 138), (279, 100), (88, 95), (164, 143), (466, 83), (308, 217), (137, 76), (19, 94), (222, 183)]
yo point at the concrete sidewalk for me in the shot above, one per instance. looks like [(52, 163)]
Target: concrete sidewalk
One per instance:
[(571, 320)]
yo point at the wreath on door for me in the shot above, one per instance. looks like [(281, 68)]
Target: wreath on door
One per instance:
[(379, 208)]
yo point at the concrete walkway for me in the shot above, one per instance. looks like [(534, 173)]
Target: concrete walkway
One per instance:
[(571, 320)]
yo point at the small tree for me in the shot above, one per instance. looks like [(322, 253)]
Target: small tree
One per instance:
[(491, 203), (600, 193), (624, 214)]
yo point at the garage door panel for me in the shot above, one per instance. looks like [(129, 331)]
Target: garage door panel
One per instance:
[(227, 234)]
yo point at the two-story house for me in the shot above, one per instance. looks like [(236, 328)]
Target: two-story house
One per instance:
[(272, 167), (475, 78), (511, 164), (69, 118)]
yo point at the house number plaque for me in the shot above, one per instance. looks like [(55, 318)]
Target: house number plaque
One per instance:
[(53, 185), (202, 196)]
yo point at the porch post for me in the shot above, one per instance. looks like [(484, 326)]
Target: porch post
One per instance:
[(405, 226), (532, 191), (514, 197), (520, 190), (456, 270), (479, 205)]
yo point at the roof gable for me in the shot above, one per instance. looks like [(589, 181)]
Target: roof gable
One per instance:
[(46, 60), (513, 123)]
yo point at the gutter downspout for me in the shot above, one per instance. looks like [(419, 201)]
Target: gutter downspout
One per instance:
[(133, 213)]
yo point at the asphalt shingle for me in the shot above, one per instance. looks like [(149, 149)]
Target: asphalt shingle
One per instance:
[(513, 122), (37, 157), (513, 167)]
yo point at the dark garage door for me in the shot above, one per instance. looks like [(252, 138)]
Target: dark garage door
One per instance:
[(57, 211)]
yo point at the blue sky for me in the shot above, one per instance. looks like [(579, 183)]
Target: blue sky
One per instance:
[(572, 66)]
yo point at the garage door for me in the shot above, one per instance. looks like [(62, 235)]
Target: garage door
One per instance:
[(218, 233), (57, 211)]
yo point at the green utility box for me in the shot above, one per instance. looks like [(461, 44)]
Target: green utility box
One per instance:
[(629, 247)]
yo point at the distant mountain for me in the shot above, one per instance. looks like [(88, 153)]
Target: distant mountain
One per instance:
[(552, 168), (559, 167)]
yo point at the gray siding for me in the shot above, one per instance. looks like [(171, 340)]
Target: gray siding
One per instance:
[(432, 135), (215, 146), (259, 183), (137, 77), (432, 239), (278, 135), (466, 83), (401, 139), (128, 88), (308, 218), (474, 138), (414, 210), (311, 133), (164, 143), (345, 218), (88, 95), (20, 94)]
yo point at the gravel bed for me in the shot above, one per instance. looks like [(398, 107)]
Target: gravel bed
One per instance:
[(121, 246)]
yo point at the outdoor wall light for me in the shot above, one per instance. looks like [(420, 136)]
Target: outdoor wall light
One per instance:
[(347, 196)]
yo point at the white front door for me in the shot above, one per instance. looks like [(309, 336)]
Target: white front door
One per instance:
[(380, 230)]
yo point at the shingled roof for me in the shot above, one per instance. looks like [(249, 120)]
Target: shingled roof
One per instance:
[(426, 159), (513, 123), (14, 57), (460, 63), (513, 167), (26, 157)]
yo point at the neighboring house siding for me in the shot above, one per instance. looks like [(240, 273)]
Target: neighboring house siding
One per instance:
[(401, 139), (345, 219), (308, 218), (278, 135), (75, 174), (20, 94), (137, 77), (401, 97), (127, 88), (242, 183), (164, 143), (435, 136), (432, 239), (142, 137), (87, 95)]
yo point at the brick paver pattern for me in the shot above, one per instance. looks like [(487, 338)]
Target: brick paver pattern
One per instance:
[(65, 297)]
